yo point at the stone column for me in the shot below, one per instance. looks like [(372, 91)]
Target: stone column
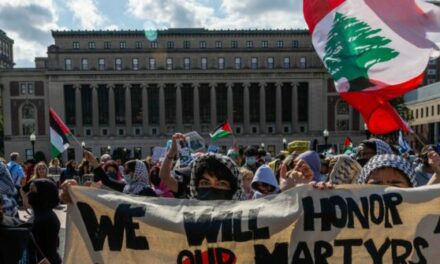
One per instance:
[(278, 118), (295, 108), (262, 108), (112, 114), (128, 120), (179, 119), (246, 105), (230, 104), (78, 111), (162, 126), (95, 110), (145, 109), (196, 107), (213, 106)]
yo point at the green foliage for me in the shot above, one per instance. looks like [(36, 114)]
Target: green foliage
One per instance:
[(352, 48)]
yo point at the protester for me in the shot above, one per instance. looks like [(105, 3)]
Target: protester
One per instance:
[(8, 192), (14, 167), (424, 170), (343, 170), (368, 148), (40, 171), (251, 159), (104, 158), (84, 168), (388, 169), (43, 197), (111, 168), (264, 182), (159, 187), (306, 169), (247, 176), (234, 154), (29, 167), (69, 172), (54, 167)]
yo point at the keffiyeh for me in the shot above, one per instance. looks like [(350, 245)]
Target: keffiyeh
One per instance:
[(139, 181)]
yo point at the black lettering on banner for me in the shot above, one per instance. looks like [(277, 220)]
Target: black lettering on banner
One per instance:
[(403, 244), (437, 228), (391, 201), (338, 202), (323, 250), (376, 219), (302, 249), (377, 254), (362, 217), (348, 244), (207, 226), (278, 256), (123, 219), (418, 244)]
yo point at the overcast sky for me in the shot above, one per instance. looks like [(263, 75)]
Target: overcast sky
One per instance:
[(29, 22)]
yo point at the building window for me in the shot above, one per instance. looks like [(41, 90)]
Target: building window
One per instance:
[(84, 64), (154, 44), (186, 63), (186, 44), (237, 63), (69, 105), (264, 44), (286, 63), (68, 64), (432, 72), (254, 63), (203, 44), (438, 109), (302, 63), (118, 64), (234, 44), (23, 88), (86, 104), (107, 45), (270, 62), (249, 44), (170, 44), (121, 132), (204, 63), (169, 63), (342, 116), (417, 113), (103, 105), (135, 64), (280, 44), (92, 45), (122, 44), (427, 111), (432, 111), (431, 81), (421, 112), (75, 45), (152, 63), (218, 44), (101, 64), (138, 44), (432, 62), (27, 88), (295, 44), (221, 63), (28, 119)]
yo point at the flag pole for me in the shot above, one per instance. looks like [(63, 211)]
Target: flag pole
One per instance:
[(418, 138)]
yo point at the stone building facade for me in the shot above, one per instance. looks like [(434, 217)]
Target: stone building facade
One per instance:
[(134, 89)]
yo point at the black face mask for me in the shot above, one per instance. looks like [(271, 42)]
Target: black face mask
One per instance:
[(209, 194)]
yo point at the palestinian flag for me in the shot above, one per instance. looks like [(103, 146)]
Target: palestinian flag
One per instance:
[(59, 134), (348, 144), (221, 131), (376, 50)]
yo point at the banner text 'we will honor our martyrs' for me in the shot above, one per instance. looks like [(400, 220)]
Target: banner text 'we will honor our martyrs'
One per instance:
[(346, 225)]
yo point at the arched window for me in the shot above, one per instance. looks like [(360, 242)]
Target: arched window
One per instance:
[(342, 116), (28, 119)]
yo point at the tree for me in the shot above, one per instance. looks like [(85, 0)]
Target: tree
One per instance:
[(352, 48)]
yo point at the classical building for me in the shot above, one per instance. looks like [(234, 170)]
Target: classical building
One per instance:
[(6, 62), (424, 106), (134, 89)]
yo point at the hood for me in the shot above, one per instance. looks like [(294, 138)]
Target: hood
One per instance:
[(233, 176), (6, 184), (312, 159), (265, 174)]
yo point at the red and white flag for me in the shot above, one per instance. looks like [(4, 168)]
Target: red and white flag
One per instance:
[(376, 50)]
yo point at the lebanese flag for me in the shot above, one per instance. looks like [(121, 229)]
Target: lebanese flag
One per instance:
[(59, 134), (376, 50), (221, 131)]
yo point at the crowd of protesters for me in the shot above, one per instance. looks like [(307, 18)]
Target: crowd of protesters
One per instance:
[(240, 174)]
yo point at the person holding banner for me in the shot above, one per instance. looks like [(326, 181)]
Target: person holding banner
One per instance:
[(306, 169)]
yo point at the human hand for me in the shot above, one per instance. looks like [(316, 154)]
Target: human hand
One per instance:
[(64, 195), (322, 185), (176, 137), (434, 161)]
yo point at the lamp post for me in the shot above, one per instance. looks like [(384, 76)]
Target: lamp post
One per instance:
[(367, 132), (32, 138), (109, 149), (325, 133), (262, 145), (284, 144), (83, 144)]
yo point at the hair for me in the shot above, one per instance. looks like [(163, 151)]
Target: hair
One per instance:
[(130, 166), (51, 163), (251, 151), (82, 166), (246, 173), (14, 156), (111, 163), (39, 164), (369, 144), (69, 164), (214, 167)]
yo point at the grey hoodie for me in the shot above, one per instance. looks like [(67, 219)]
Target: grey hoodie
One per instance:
[(266, 175)]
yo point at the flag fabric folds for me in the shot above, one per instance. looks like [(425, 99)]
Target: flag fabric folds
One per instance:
[(375, 51), (221, 131), (59, 134), (403, 144), (348, 144)]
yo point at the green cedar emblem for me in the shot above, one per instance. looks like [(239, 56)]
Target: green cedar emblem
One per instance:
[(352, 48)]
